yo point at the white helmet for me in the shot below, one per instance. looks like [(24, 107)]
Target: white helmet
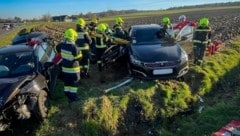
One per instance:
[(182, 18)]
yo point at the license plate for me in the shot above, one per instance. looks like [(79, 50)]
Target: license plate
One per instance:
[(162, 71)]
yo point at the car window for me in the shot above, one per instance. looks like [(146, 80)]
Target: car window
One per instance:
[(145, 36), (16, 64), (44, 52)]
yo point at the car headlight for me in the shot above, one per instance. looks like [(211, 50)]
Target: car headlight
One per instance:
[(184, 56), (135, 61)]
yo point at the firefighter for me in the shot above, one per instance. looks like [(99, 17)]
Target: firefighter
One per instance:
[(70, 64), (109, 33), (83, 41), (92, 27), (118, 29), (101, 46), (108, 30), (201, 38), (166, 23), (183, 22)]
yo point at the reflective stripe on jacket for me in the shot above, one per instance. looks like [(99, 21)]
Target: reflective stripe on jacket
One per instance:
[(71, 70), (101, 41), (70, 89), (202, 35), (70, 54)]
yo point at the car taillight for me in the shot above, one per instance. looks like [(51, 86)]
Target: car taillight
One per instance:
[(34, 41), (57, 59)]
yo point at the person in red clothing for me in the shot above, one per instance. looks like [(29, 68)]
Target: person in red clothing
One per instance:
[(183, 22)]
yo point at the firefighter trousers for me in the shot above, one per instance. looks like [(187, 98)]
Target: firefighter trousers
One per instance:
[(71, 85), (199, 52), (85, 63), (99, 53)]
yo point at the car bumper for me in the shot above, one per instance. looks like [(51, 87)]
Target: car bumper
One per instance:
[(148, 73)]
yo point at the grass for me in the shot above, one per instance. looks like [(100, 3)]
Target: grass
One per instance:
[(221, 104), (10, 35)]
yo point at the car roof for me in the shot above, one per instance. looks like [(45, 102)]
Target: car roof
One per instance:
[(23, 38), (13, 49), (146, 26)]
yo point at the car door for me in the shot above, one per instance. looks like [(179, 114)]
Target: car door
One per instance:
[(185, 34), (50, 71)]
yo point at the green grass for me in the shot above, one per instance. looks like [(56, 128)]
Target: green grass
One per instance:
[(10, 35)]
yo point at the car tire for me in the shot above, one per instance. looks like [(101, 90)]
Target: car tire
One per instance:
[(181, 79), (43, 105)]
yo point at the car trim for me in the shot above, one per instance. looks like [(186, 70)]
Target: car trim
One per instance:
[(183, 71), (140, 72)]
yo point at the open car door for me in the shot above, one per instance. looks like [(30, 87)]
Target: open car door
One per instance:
[(185, 34)]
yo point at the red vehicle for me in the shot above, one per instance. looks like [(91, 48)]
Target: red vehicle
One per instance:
[(231, 129)]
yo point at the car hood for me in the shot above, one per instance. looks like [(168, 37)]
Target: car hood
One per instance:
[(8, 86), (156, 52)]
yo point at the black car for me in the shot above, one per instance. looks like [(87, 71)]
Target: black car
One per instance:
[(26, 78), (24, 37), (153, 54)]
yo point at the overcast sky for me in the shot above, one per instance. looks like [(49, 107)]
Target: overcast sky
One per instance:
[(28, 9)]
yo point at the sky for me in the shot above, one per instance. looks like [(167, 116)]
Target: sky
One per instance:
[(28, 9)]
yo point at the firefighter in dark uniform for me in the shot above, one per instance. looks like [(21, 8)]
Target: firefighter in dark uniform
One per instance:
[(70, 64), (201, 38), (166, 23), (101, 46), (118, 29), (108, 32), (92, 27), (83, 41), (167, 28)]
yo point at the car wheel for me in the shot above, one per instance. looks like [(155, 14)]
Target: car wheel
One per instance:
[(181, 79), (43, 104)]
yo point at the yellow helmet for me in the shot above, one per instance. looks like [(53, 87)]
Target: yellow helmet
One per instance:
[(106, 25), (70, 34), (95, 20), (119, 20), (81, 22), (166, 20), (101, 27), (204, 22)]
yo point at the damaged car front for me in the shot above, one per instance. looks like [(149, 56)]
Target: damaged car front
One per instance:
[(23, 88)]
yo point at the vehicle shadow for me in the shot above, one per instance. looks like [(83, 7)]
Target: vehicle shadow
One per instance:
[(22, 128)]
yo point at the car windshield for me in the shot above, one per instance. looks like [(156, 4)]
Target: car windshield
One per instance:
[(147, 36), (16, 64)]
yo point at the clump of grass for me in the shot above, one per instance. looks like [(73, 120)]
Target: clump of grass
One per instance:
[(175, 97), (102, 113)]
